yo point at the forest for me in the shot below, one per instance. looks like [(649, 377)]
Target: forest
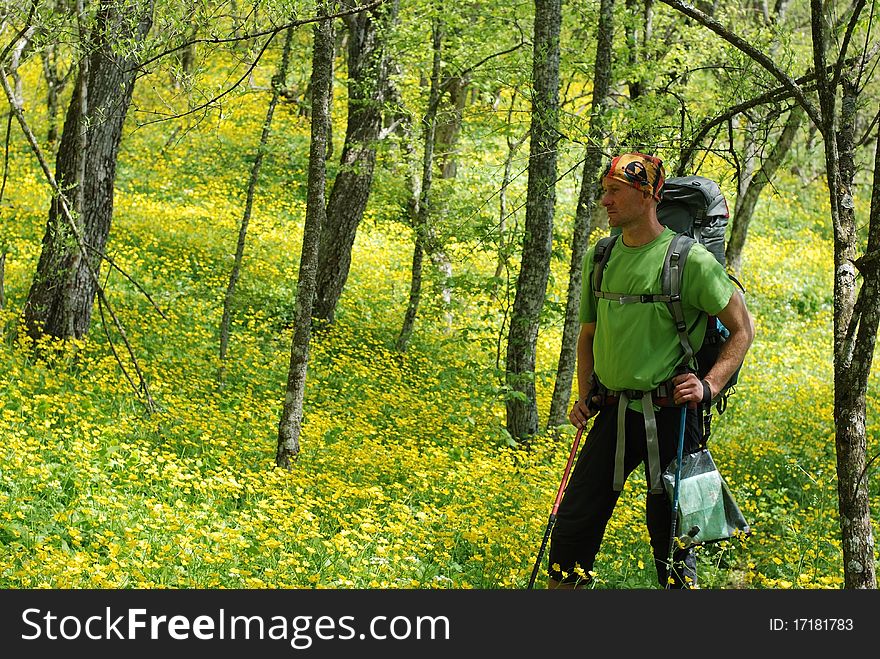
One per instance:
[(289, 290)]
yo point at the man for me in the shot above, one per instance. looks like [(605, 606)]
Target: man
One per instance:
[(635, 352)]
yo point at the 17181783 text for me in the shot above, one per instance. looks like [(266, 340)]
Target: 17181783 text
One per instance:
[(811, 624)]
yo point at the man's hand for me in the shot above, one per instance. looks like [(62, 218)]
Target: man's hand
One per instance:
[(691, 390), (581, 412)]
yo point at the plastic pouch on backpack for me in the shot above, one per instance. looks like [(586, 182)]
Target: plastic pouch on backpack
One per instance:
[(707, 511)]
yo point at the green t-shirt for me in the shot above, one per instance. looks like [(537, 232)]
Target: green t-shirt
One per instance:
[(636, 346)]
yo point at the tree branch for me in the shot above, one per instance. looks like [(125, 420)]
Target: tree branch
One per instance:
[(772, 96), (20, 34), (470, 69), (118, 269), (256, 35), (867, 136), (747, 48), (445, 86), (849, 341), (212, 101), (850, 28), (867, 261)]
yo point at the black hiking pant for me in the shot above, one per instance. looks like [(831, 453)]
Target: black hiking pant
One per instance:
[(589, 498)]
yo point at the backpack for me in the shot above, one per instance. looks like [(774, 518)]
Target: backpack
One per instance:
[(695, 208)]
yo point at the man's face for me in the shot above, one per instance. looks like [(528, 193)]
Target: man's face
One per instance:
[(625, 205)]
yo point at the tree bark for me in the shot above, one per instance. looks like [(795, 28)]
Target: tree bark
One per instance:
[(55, 84), (522, 408), (584, 215), (852, 364), (277, 85), (62, 294), (3, 278), (415, 294), (748, 200), (633, 48), (421, 206), (449, 126), (367, 86), (290, 425), (504, 240)]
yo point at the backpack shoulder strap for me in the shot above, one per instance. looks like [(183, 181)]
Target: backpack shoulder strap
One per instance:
[(600, 259), (671, 278)]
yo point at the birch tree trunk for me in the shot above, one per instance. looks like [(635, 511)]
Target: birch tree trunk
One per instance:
[(584, 215), (531, 286), (290, 425), (421, 206)]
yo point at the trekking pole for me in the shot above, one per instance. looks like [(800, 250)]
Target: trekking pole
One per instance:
[(552, 521), (674, 527)]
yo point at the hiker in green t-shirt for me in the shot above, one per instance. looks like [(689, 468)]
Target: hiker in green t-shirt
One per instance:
[(633, 355)]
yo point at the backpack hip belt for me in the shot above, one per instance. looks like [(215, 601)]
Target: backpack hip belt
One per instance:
[(661, 396)]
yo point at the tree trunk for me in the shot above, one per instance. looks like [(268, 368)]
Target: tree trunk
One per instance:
[(638, 37), (3, 278), (504, 241), (62, 294), (748, 200), (367, 86), (855, 518), (277, 85), (584, 216), (779, 10), (852, 362), (290, 425), (55, 84), (421, 206), (415, 293), (449, 126), (15, 56), (522, 408), (446, 134), (633, 48)]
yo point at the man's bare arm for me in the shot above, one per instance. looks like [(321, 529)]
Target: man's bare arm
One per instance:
[(580, 411), (739, 322)]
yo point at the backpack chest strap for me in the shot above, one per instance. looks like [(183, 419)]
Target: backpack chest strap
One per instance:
[(624, 298), (670, 280)]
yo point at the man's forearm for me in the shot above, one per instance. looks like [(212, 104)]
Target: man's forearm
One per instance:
[(584, 366), (737, 319), (730, 357)]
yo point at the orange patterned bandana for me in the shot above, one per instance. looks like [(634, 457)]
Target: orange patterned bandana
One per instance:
[(641, 171)]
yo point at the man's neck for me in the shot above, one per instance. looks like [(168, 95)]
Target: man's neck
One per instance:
[(642, 234)]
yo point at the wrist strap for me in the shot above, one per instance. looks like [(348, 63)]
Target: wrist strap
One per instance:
[(707, 393)]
